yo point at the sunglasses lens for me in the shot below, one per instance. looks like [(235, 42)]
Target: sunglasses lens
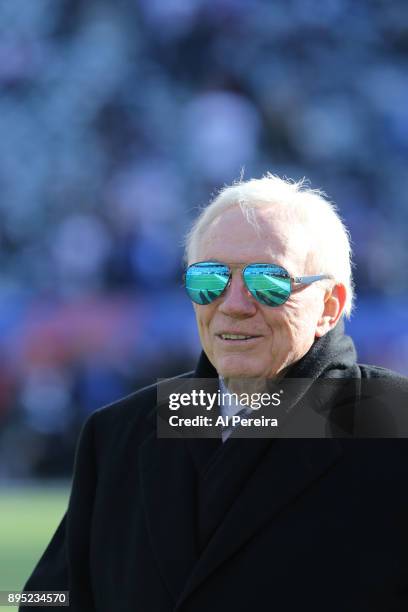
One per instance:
[(270, 285), (205, 281)]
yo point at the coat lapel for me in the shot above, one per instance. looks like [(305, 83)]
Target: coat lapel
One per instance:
[(288, 468), (167, 477)]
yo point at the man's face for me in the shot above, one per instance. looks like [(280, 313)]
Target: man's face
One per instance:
[(280, 335)]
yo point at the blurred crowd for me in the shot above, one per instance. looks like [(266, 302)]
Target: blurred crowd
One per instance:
[(118, 118)]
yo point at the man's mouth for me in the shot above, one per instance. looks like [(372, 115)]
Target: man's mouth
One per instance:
[(236, 337)]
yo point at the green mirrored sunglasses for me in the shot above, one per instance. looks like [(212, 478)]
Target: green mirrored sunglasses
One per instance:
[(271, 285)]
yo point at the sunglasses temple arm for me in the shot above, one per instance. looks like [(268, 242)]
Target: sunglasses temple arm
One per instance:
[(308, 280)]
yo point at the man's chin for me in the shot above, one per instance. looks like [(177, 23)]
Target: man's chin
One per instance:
[(236, 368)]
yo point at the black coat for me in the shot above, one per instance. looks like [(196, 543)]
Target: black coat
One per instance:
[(155, 525)]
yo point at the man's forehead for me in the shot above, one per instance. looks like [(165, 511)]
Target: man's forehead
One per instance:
[(268, 233)]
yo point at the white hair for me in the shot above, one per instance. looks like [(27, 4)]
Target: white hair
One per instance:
[(332, 249)]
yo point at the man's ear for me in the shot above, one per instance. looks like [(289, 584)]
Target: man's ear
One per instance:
[(333, 306)]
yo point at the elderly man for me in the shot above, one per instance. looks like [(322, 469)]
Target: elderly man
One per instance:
[(229, 523)]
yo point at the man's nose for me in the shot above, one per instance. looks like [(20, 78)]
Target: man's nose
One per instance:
[(237, 301)]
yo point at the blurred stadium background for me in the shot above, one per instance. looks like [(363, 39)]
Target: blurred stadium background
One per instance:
[(117, 120)]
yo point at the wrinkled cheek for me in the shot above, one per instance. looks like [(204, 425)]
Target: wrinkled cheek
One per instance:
[(285, 342), (205, 337), (278, 345), (201, 328)]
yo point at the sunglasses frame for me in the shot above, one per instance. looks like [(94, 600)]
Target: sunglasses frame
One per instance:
[(299, 281)]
